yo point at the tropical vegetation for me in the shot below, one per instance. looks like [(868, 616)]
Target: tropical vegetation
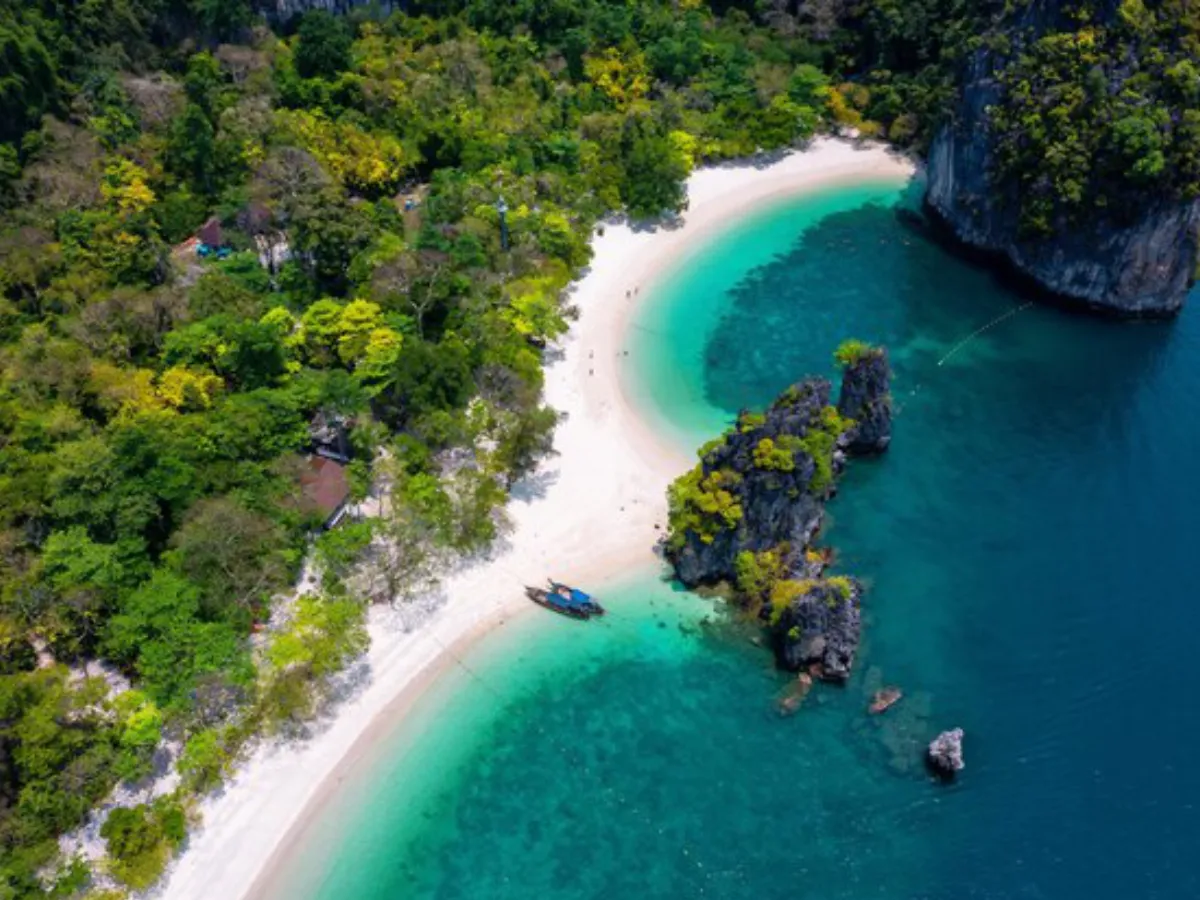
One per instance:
[(157, 397)]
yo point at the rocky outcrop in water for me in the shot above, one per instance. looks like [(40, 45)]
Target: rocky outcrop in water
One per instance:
[(819, 629), (762, 485), (745, 516), (866, 398), (945, 754), (1138, 263)]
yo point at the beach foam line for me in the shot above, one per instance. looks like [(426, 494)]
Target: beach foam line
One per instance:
[(587, 512)]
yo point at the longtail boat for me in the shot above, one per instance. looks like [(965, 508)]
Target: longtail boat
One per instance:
[(578, 597), (556, 602)]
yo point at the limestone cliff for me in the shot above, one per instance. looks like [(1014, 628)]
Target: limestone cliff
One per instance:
[(282, 10), (1135, 262)]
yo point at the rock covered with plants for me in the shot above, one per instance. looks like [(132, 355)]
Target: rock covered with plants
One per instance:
[(1074, 150), (745, 516), (866, 397), (761, 485), (816, 625)]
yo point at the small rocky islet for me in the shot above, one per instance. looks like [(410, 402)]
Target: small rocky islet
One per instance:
[(745, 517), (747, 514), (945, 754)]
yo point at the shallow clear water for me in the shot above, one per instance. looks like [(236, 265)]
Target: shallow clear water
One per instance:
[(1028, 540)]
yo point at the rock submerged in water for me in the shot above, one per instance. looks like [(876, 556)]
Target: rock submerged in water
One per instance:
[(945, 754), (793, 697), (884, 700)]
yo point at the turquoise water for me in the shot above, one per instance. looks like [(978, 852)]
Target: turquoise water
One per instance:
[(1028, 541)]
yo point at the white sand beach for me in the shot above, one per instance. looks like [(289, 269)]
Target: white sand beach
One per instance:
[(590, 512)]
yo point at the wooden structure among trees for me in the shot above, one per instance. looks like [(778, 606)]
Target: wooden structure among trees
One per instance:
[(326, 489)]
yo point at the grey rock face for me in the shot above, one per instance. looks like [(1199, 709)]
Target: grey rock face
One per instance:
[(777, 506), (945, 754), (1138, 267), (821, 628), (865, 397), (282, 10)]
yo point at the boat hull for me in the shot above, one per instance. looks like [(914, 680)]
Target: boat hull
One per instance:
[(545, 599)]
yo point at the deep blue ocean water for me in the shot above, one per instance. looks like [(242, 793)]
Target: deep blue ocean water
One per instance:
[(1029, 540)]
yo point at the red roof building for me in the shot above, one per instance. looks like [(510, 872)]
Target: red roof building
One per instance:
[(326, 489), (210, 233)]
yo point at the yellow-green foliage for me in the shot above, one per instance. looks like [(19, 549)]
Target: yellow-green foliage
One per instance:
[(369, 162), (124, 186), (748, 421), (820, 442), (842, 585), (534, 309), (139, 839), (188, 390), (323, 636), (845, 104), (123, 391), (851, 351), (142, 721), (756, 573), (709, 446), (702, 504), (1103, 114), (777, 458), (784, 592), (354, 334), (685, 145), (623, 78)]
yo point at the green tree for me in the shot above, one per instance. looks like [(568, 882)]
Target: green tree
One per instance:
[(654, 171), (236, 556), (28, 77), (139, 838), (428, 377), (159, 635), (223, 19), (322, 637), (191, 152), (323, 44), (205, 760)]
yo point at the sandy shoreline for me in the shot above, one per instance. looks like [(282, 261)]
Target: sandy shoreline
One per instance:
[(589, 512)]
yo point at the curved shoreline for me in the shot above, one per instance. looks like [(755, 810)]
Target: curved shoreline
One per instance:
[(596, 503)]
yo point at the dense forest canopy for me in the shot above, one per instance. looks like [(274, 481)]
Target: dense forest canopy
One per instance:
[(158, 399), (1102, 111)]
